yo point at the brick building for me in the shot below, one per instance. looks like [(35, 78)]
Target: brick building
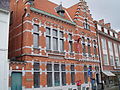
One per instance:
[(109, 52), (52, 47)]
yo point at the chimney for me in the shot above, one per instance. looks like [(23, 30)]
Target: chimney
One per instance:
[(101, 21), (108, 25)]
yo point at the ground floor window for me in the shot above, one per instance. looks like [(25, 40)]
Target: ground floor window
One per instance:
[(36, 79), (49, 79)]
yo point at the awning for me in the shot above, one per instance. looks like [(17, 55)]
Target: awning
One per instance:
[(108, 73)]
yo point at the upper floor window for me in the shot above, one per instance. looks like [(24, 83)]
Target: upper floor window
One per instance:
[(70, 42), (111, 33), (95, 48), (61, 41), (99, 27), (83, 46), (54, 40), (110, 46), (116, 36), (89, 48), (104, 44), (105, 30), (116, 49), (35, 36), (48, 38), (105, 59), (86, 25)]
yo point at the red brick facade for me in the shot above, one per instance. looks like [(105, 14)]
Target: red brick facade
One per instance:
[(80, 50)]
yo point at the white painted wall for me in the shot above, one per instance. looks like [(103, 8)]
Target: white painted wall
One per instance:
[(4, 65)]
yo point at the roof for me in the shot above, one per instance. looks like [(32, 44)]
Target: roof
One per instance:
[(51, 15), (72, 10), (49, 7)]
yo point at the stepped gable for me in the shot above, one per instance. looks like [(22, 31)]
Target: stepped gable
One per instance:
[(80, 11)]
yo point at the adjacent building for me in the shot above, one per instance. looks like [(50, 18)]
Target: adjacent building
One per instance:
[(109, 52), (52, 47), (4, 27)]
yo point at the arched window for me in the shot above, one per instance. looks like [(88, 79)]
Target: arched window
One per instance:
[(86, 25)]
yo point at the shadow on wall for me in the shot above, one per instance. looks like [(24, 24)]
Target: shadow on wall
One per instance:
[(4, 4)]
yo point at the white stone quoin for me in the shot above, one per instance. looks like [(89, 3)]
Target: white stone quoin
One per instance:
[(4, 64)]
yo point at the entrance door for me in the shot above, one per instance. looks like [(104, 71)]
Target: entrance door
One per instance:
[(16, 83)]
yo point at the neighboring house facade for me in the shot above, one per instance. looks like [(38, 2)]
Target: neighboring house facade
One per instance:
[(52, 47), (4, 63), (109, 49)]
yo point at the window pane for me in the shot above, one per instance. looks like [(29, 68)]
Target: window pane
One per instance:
[(84, 49), (85, 74), (95, 51), (36, 66), (63, 78), (63, 67), (36, 79), (72, 68), (111, 60), (36, 28), (105, 59), (56, 67), (56, 79), (55, 32), (61, 45), (90, 67), (89, 50), (49, 79), (70, 36), (49, 67), (61, 34), (48, 42), (48, 31), (36, 40), (55, 44), (104, 44), (70, 46), (73, 78)]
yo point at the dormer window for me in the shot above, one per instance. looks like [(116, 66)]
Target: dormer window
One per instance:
[(60, 10), (86, 25)]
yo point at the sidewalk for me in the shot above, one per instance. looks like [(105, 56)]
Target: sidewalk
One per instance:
[(112, 88)]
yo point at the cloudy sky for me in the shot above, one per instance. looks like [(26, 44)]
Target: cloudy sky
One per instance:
[(100, 9)]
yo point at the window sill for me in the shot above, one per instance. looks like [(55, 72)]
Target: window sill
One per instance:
[(71, 53), (55, 51), (48, 50), (36, 48), (62, 52)]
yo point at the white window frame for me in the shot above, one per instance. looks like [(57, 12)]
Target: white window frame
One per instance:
[(106, 30)]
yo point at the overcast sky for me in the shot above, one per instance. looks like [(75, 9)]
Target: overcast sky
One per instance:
[(100, 9)]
